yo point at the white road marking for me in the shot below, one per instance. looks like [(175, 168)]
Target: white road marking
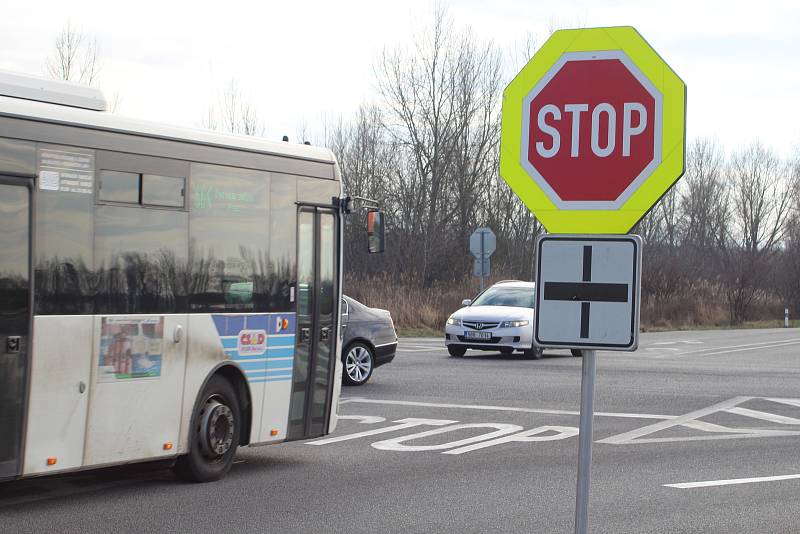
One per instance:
[(359, 400), (790, 402), (771, 417), (541, 433), (740, 348), (682, 342), (404, 424), (639, 435), (364, 419), (428, 349), (717, 431), (398, 443), (730, 481)]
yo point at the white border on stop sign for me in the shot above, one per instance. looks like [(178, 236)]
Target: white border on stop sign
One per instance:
[(657, 139)]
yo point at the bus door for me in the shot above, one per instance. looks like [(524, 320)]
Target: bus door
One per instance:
[(317, 302), (15, 317)]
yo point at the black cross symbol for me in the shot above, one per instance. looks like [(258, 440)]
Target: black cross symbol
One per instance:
[(586, 291)]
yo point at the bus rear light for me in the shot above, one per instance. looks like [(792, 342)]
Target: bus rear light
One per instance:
[(52, 460), (273, 432), (168, 446)]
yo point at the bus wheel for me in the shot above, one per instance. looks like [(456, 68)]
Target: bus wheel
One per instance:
[(214, 436)]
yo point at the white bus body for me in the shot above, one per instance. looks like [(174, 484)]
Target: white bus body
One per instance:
[(164, 292)]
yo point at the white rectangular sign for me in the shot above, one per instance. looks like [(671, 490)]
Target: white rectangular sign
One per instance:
[(587, 291)]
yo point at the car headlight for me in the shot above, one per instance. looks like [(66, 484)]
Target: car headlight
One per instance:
[(513, 324), (453, 320)]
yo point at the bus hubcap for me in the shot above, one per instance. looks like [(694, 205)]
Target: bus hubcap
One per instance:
[(216, 429)]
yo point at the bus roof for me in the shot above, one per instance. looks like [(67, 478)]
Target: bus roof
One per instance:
[(77, 106)]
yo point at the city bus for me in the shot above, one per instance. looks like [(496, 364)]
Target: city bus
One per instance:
[(165, 293)]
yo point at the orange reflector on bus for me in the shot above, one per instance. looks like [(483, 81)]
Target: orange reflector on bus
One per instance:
[(273, 432), (168, 446), (285, 324), (52, 460)]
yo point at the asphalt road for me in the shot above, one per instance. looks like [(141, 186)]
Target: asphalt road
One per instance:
[(487, 443)]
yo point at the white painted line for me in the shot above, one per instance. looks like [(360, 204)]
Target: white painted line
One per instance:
[(628, 437), (771, 417), (638, 436), (420, 350), (730, 481), (359, 400), (790, 402), (404, 424), (740, 348), (363, 419)]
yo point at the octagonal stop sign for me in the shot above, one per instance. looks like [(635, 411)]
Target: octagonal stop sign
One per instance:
[(593, 131)]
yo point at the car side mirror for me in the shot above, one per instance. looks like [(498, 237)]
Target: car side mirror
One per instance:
[(375, 232), (466, 302)]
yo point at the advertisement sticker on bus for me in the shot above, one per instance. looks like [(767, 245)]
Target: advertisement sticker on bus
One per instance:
[(130, 348), (252, 342)]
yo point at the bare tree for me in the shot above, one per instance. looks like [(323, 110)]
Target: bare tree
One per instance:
[(235, 114), (76, 57), (755, 225), (788, 271), (442, 97)]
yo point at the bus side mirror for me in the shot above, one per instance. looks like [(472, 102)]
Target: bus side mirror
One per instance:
[(375, 231)]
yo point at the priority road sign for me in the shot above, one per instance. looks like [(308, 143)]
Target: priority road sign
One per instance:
[(593, 131), (587, 291)]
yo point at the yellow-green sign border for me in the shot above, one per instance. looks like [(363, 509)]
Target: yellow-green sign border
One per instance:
[(673, 90)]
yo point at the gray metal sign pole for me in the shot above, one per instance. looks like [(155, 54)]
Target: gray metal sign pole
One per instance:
[(483, 252), (585, 443)]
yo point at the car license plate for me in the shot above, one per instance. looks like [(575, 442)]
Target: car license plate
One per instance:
[(477, 335)]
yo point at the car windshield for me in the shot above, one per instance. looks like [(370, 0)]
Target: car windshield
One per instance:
[(521, 297)]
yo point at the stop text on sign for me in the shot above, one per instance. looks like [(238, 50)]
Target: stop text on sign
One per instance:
[(591, 130), (604, 115)]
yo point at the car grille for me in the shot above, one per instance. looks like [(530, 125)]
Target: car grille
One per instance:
[(465, 339), (480, 325)]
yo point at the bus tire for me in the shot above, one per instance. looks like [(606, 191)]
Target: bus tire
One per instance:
[(214, 434)]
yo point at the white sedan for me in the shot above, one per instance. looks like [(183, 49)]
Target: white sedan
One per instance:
[(499, 319)]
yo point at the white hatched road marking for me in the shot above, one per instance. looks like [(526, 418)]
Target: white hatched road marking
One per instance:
[(640, 435), (730, 481), (739, 348), (714, 431)]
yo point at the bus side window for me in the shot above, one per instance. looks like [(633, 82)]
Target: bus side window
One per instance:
[(116, 186), (229, 262)]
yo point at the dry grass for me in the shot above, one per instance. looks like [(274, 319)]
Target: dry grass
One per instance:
[(419, 311)]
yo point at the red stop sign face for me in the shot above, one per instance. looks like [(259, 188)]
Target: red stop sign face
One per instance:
[(591, 130)]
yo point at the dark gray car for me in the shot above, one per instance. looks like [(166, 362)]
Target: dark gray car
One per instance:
[(369, 340)]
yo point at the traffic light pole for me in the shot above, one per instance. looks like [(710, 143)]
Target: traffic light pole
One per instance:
[(585, 443)]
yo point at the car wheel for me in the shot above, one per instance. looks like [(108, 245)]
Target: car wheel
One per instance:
[(214, 435), (534, 353), (456, 351), (578, 353), (358, 364)]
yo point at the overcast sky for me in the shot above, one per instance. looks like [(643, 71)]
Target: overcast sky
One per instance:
[(300, 61)]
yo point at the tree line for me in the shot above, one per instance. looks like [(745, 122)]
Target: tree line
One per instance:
[(726, 238)]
